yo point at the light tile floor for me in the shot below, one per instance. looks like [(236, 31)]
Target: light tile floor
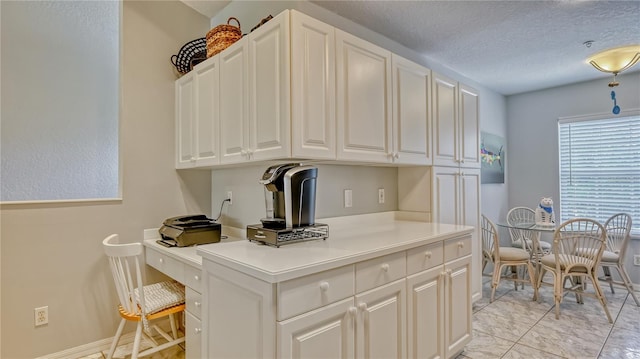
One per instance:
[(514, 327)]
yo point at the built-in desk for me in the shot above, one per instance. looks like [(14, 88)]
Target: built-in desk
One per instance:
[(185, 266)]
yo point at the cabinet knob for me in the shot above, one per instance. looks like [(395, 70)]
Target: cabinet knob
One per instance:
[(427, 255), (161, 260), (197, 330), (385, 267), (196, 277), (362, 306), (197, 304), (324, 286), (396, 155), (460, 244), (353, 311), (192, 159)]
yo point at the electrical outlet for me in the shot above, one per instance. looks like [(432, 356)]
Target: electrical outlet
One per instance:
[(380, 195), (41, 315), (348, 198), (230, 197), (636, 259)]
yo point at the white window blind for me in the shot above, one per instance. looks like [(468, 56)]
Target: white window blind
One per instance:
[(600, 168)]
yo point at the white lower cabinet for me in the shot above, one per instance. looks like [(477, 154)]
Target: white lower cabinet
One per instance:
[(359, 310)]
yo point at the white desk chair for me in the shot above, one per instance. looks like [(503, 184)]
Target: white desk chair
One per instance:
[(578, 245), (141, 303), (618, 229), (503, 257)]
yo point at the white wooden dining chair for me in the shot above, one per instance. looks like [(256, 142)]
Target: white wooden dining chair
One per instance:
[(578, 245), (142, 303), (618, 229), (504, 257), (521, 238)]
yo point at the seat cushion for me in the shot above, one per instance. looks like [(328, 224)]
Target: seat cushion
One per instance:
[(610, 257), (162, 295), (550, 261), (513, 254)]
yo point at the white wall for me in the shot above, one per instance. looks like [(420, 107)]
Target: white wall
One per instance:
[(52, 253), (532, 137)]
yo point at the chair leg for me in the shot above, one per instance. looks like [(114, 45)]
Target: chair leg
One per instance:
[(600, 295), (496, 279), (558, 288), (116, 339), (607, 276), (136, 341), (627, 283), (529, 268)]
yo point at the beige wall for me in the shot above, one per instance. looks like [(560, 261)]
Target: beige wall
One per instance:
[(51, 254)]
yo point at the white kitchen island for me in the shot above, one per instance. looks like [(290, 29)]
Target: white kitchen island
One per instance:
[(378, 287)]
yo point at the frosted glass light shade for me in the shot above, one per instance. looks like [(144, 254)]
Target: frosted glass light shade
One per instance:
[(616, 60)]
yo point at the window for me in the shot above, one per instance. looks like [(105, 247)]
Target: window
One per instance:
[(600, 168)]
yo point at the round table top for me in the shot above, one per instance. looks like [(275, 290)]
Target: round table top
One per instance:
[(529, 226)]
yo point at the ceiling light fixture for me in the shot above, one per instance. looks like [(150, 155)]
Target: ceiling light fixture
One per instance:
[(614, 61)]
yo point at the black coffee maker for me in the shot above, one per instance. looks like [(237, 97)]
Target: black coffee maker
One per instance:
[(290, 196), (290, 201)]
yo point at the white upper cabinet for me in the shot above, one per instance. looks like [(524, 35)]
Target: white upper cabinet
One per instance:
[(197, 117), (363, 88), (234, 99), (313, 88), (411, 112), (456, 126), (269, 86)]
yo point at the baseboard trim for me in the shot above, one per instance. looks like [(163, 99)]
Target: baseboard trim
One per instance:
[(90, 348)]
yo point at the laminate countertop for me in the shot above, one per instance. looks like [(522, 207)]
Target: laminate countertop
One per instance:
[(351, 239)]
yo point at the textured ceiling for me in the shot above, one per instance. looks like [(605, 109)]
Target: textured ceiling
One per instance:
[(508, 46)]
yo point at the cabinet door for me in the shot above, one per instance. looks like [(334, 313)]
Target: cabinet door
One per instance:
[(458, 305), (469, 127), (381, 322), (469, 194), (411, 112), (234, 120), (363, 87), (425, 314), (193, 337), (445, 124), (269, 90), (313, 88), (185, 88), (206, 116), (327, 332), (445, 194)]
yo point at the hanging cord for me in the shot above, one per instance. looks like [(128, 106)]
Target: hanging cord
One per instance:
[(221, 205)]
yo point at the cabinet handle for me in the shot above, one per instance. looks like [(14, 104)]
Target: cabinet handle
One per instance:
[(427, 255), (385, 267), (353, 311), (197, 304), (460, 245), (197, 330), (260, 236), (324, 286), (362, 306)]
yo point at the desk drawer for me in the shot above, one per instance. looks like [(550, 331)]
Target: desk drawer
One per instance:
[(300, 295), (456, 248), (193, 300), (165, 264), (379, 271), (193, 278), (424, 257)]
